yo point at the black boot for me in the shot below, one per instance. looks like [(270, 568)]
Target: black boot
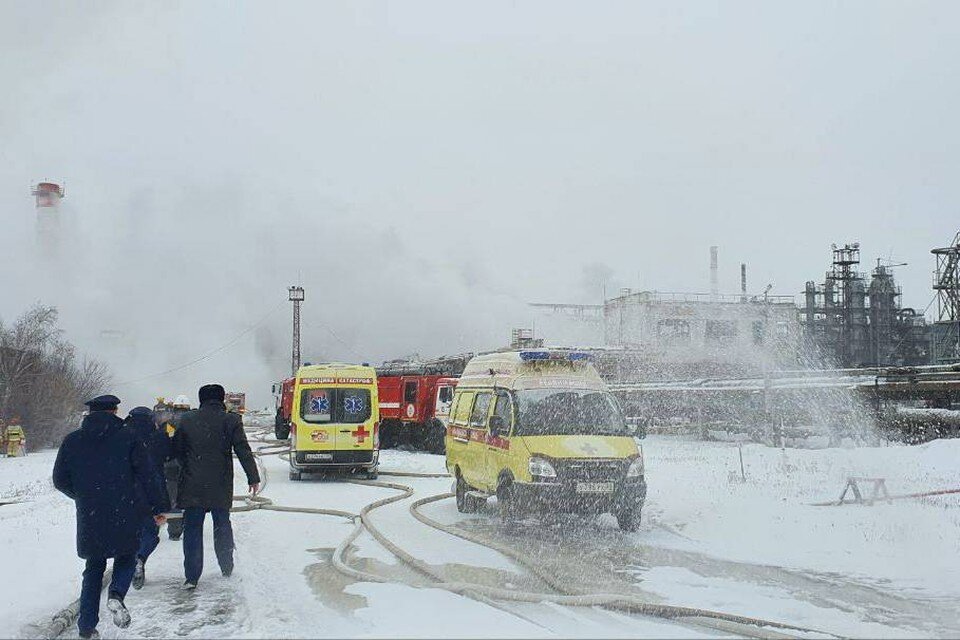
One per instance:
[(139, 574)]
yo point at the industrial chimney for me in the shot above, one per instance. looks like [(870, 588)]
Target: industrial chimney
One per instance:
[(714, 284), (48, 194)]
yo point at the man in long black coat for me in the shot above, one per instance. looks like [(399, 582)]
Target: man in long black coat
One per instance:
[(143, 423), (99, 466), (204, 443)]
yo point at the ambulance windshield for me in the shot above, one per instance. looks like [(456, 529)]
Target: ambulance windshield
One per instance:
[(555, 412), (341, 406)]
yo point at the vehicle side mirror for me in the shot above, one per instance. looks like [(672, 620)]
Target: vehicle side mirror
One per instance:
[(497, 425), (637, 429)]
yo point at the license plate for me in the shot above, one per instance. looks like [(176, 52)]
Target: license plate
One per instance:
[(318, 456), (594, 487)]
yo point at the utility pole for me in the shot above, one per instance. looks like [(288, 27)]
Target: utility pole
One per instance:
[(296, 297)]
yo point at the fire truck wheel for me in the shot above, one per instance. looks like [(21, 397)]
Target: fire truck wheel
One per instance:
[(465, 503), (414, 436), (434, 439), (296, 475), (389, 435)]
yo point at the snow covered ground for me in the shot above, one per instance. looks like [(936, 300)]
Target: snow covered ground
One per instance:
[(711, 540)]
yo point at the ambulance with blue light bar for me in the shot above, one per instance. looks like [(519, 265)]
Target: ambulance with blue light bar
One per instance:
[(540, 430), (334, 421)]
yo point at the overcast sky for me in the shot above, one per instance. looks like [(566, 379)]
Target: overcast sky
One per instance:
[(424, 169)]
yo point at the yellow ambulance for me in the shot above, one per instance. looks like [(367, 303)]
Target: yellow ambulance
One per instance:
[(539, 429), (334, 420)]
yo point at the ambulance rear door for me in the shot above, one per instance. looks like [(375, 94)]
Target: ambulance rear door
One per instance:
[(316, 407), (353, 412)]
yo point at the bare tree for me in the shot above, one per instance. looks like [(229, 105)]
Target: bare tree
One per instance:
[(41, 382)]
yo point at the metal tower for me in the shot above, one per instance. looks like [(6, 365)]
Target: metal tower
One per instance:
[(296, 297), (946, 284), (849, 311)]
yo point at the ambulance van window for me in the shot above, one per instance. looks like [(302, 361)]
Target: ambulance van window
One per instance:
[(354, 406), (464, 404), (478, 418), (316, 405), (410, 391), (503, 409)]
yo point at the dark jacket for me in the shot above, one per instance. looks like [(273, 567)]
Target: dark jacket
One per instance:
[(99, 466), (204, 443), (159, 448)]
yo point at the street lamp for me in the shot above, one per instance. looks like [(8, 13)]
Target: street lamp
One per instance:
[(296, 297)]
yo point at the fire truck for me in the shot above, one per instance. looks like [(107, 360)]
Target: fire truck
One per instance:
[(414, 410), (415, 401), (283, 394), (236, 401)]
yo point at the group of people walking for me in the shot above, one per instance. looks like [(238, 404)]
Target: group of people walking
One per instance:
[(117, 472)]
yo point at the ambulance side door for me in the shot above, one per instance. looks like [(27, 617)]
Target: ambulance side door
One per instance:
[(498, 445), (459, 431), (477, 447)]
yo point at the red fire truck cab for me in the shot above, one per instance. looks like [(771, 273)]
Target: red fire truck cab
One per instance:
[(414, 409)]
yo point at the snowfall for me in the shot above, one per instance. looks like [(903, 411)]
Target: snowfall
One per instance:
[(749, 543)]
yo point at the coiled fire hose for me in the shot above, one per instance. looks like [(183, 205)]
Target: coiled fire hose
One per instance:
[(619, 602)]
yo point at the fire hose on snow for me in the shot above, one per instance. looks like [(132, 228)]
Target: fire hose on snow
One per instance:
[(728, 623), (618, 602)]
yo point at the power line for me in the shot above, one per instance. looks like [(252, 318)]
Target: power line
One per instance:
[(209, 354), (342, 342)]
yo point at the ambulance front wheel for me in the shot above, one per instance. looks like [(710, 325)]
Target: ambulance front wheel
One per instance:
[(465, 503), (508, 502), (296, 475), (628, 518)]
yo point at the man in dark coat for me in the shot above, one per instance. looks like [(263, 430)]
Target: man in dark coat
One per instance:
[(141, 421), (99, 466), (204, 443)]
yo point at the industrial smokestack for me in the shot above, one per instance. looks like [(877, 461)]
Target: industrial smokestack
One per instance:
[(743, 282), (714, 284)]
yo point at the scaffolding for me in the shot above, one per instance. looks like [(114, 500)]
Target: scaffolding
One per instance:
[(945, 340)]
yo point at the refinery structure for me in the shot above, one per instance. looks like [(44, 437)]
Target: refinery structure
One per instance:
[(849, 320)]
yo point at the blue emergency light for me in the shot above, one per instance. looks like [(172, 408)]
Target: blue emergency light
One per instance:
[(573, 356), (527, 356)]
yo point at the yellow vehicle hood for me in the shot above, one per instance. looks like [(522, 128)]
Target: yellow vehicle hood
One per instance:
[(581, 446)]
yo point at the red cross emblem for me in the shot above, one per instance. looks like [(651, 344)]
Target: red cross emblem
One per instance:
[(361, 434)]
